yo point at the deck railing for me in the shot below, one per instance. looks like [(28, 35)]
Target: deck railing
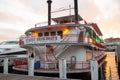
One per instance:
[(64, 66), (54, 65)]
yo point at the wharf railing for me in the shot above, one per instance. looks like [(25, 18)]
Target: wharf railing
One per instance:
[(54, 65), (63, 67)]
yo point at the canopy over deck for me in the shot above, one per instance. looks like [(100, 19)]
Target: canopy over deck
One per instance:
[(67, 19)]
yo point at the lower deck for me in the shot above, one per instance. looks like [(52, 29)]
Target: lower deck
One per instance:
[(53, 66)]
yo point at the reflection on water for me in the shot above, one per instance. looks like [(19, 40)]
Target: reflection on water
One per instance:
[(110, 63)]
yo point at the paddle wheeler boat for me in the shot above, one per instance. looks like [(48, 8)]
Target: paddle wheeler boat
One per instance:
[(77, 43), (67, 39)]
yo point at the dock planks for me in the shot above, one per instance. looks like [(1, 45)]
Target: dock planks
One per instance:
[(26, 77)]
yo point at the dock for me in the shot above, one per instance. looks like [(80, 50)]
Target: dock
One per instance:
[(26, 77)]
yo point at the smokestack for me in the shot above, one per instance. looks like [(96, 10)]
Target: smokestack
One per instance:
[(76, 10), (49, 11)]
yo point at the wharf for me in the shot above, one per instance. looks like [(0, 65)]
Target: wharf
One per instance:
[(26, 77)]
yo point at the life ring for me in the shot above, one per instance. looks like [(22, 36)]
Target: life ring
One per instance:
[(51, 50), (21, 42)]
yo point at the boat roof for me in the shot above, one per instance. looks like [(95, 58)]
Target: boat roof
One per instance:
[(55, 25), (96, 28), (68, 25), (66, 19)]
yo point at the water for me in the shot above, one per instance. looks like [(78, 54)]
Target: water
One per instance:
[(111, 63)]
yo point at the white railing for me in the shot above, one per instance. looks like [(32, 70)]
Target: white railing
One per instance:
[(54, 65), (62, 66)]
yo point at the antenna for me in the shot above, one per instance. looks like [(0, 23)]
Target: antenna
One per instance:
[(63, 9), (70, 9)]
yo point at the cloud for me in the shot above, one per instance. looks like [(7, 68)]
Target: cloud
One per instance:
[(17, 11), (112, 33), (9, 18), (106, 13), (108, 8), (20, 15), (9, 34), (16, 18), (88, 10), (36, 6)]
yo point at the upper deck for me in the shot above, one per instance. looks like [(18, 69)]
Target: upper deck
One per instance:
[(65, 33), (64, 30)]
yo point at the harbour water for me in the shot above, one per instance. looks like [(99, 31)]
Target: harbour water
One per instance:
[(111, 63)]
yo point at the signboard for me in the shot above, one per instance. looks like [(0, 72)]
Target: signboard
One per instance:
[(44, 39)]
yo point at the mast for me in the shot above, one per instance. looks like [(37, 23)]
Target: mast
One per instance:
[(76, 10), (49, 11)]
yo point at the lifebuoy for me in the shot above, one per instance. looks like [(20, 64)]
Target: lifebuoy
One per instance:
[(52, 50), (21, 42)]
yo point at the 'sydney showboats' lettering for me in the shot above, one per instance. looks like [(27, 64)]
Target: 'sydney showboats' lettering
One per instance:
[(41, 39)]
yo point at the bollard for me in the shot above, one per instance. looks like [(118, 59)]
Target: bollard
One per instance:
[(118, 53), (94, 69), (62, 69), (31, 67), (5, 64), (101, 73)]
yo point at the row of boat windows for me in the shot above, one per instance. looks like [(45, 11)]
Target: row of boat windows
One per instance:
[(53, 33)]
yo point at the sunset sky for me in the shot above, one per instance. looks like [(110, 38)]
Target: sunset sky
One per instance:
[(16, 16)]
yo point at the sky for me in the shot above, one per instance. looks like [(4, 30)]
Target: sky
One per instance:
[(16, 16)]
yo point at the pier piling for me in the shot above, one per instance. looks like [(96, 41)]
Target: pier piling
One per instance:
[(31, 67), (62, 67), (118, 54), (94, 69), (5, 64)]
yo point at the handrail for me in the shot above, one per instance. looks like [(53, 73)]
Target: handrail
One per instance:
[(53, 65)]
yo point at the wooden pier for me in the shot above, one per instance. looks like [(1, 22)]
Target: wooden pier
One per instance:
[(26, 77)]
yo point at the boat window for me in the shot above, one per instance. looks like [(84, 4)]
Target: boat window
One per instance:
[(60, 33), (10, 42), (40, 34), (53, 33), (46, 33)]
